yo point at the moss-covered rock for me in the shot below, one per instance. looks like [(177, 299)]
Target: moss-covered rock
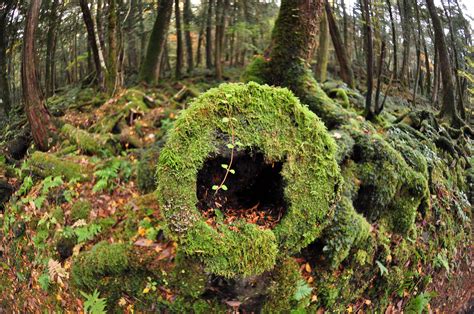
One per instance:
[(253, 118), (146, 168), (47, 164)]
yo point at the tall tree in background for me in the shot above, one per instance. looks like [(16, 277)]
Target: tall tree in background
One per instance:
[(219, 38), (448, 107), (394, 39), (369, 114), (39, 119), (345, 66), (51, 48), (322, 55), (112, 65), (6, 7), (91, 36), (179, 41), (151, 66), (187, 19), (209, 34)]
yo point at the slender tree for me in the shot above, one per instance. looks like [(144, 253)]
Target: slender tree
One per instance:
[(51, 48), (112, 64), (5, 103), (345, 65), (369, 114), (219, 38), (187, 19), (151, 67), (209, 34), (42, 128), (322, 55), (91, 36), (179, 41), (448, 106)]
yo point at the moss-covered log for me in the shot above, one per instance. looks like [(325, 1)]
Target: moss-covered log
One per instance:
[(89, 143), (251, 131), (46, 164)]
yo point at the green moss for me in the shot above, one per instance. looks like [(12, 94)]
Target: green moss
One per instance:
[(283, 286), (255, 71), (88, 143), (347, 230), (81, 210), (189, 276), (272, 121), (46, 164), (146, 169), (108, 268)]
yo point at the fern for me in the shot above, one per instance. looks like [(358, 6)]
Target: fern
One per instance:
[(419, 303), (26, 186), (93, 304), (107, 175), (87, 233), (302, 290)]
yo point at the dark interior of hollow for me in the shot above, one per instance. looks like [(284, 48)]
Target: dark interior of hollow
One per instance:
[(256, 186)]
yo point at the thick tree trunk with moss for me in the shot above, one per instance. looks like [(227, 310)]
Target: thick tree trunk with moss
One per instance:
[(448, 107), (39, 119), (345, 66), (151, 67), (323, 49)]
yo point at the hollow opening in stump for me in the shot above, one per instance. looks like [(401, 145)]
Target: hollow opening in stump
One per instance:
[(255, 192)]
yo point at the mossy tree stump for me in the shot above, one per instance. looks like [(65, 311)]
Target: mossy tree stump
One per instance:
[(268, 156)]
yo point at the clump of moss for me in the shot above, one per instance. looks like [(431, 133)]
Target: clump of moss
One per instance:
[(389, 189), (283, 286), (89, 143), (146, 168), (80, 210), (108, 268), (272, 121), (46, 164), (347, 230), (189, 276)]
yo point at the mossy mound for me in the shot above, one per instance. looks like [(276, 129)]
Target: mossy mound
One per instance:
[(80, 210), (46, 164), (248, 120)]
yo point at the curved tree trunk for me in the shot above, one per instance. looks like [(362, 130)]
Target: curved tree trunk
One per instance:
[(39, 119), (86, 13), (448, 107), (150, 71), (345, 65)]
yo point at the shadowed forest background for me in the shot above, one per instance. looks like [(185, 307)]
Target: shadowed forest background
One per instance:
[(236, 156)]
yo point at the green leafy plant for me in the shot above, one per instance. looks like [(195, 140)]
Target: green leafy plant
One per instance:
[(419, 303), (93, 303), (382, 268), (303, 290), (107, 175)]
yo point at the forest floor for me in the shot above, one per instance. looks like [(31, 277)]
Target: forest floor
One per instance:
[(120, 204)]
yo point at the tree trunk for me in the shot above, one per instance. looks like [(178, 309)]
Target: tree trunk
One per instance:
[(5, 100), (378, 105), (448, 107), (219, 37), (405, 15), (345, 66), (179, 41), (51, 48), (369, 114), (209, 34), (38, 117), (150, 71), (394, 40), (322, 54), (86, 14), (111, 77), (187, 18)]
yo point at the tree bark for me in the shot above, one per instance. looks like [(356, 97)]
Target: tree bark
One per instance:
[(151, 67), (51, 48), (448, 107), (42, 128), (369, 114), (219, 37), (111, 77), (345, 66), (187, 18), (209, 34), (322, 54), (86, 14), (394, 40), (179, 41), (5, 100)]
